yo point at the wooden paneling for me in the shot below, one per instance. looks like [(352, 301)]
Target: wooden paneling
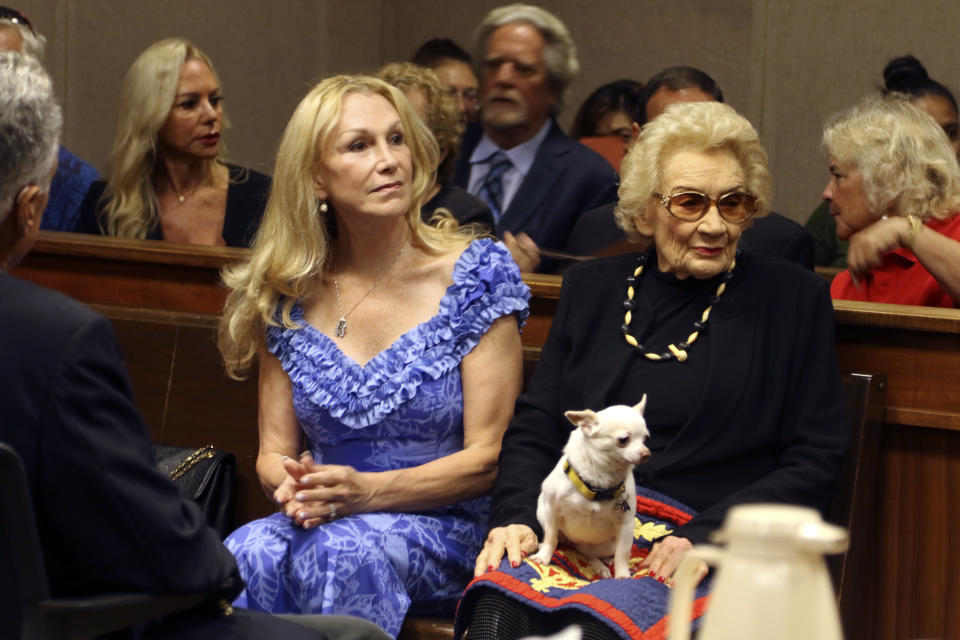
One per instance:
[(919, 563)]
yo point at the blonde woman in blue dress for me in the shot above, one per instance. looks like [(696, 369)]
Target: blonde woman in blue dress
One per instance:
[(389, 354)]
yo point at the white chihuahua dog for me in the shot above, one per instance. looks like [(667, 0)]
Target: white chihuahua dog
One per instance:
[(590, 498)]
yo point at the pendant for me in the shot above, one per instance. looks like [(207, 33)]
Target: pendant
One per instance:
[(341, 329), (181, 198)]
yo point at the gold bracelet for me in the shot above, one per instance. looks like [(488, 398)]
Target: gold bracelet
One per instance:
[(915, 225)]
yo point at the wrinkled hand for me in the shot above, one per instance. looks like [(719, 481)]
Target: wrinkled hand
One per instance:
[(868, 245), (523, 249), (666, 555), (518, 540), (319, 487)]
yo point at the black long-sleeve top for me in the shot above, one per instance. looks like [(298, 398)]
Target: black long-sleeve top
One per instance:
[(755, 414)]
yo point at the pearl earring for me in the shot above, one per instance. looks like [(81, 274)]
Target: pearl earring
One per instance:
[(323, 207)]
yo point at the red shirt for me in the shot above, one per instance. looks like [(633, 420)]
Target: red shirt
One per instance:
[(900, 278)]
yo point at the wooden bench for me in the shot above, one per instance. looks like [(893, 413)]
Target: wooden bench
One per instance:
[(164, 300)]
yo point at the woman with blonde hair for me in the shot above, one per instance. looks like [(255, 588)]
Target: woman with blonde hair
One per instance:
[(438, 109), (894, 192), (388, 353), (167, 178)]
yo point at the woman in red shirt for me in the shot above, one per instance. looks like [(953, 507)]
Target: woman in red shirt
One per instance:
[(894, 193)]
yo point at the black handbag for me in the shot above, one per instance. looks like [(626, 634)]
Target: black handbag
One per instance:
[(207, 476)]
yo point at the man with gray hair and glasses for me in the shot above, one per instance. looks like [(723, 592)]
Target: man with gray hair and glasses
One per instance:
[(107, 519), (535, 178)]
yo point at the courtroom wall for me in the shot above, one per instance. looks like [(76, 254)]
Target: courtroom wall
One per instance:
[(784, 65)]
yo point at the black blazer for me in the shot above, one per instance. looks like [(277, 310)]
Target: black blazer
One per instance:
[(771, 425), (108, 520), (565, 180), (246, 201), (773, 235)]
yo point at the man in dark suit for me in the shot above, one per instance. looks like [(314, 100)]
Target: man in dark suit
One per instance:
[(108, 520), (535, 178), (596, 231)]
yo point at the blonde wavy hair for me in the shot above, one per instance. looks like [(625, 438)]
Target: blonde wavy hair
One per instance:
[(292, 246), (907, 163), (129, 202), (696, 126), (443, 113)]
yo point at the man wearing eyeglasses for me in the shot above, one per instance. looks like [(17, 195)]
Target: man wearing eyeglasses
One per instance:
[(596, 232), (535, 178), (74, 176)]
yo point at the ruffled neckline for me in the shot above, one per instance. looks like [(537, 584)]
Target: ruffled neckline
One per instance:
[(486, 285)]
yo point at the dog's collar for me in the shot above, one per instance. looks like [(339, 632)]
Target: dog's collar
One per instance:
[(587, 491)]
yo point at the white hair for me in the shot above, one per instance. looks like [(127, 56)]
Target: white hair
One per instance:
[(30, 124)]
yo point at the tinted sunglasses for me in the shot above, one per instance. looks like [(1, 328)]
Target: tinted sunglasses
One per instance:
[(690, 206)]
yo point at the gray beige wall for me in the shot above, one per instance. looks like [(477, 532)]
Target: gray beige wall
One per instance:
[(784, 64)]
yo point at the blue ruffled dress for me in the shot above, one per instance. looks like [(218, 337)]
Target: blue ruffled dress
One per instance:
[(404, 408)]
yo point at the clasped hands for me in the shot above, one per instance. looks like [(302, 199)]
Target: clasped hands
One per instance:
[(313, 494), (518, 541)]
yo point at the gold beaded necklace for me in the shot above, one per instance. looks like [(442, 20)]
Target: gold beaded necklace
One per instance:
[(678, 350)]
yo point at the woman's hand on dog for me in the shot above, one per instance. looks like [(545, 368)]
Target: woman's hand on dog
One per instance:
[(665, 557), (518, 540)]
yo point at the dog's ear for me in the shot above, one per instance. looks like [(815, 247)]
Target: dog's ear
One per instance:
[(640, 406), (585, 419)]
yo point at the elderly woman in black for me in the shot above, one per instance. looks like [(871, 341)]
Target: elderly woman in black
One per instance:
[(734, 351)]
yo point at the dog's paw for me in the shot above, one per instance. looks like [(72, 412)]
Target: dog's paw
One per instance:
[(543, 556), (600, 568), (621, 572)]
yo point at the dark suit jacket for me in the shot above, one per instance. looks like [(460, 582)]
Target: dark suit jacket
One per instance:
[(108, 520), (772, 235), (565, 180), (769, 425)]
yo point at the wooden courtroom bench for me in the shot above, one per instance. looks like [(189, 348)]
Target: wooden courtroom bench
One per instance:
[(164, 300)]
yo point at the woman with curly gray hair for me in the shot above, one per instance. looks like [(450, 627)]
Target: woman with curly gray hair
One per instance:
[(894, 192), (735, 353)]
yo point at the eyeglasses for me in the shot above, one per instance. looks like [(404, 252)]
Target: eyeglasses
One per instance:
[(14, 16), (469, 95), (690, 206)]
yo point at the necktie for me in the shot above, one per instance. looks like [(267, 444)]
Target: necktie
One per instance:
[(492, 188)]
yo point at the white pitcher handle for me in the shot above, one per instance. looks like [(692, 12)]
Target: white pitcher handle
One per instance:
[(681, 599)]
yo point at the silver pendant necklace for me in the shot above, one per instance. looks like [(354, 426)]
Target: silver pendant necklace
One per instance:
[(341, 329), (181, 197)]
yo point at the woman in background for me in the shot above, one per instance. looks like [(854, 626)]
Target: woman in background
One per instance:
[(609, 111), (167, 178), (389, 354), (894, 193), (908, 76), (438, 109)]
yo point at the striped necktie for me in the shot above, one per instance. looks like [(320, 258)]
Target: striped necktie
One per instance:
[(492, 188)]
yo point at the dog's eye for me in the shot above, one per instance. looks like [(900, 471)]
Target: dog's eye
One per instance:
[(623, 441)]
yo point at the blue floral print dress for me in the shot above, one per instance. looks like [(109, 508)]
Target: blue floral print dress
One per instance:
[(402, 409)]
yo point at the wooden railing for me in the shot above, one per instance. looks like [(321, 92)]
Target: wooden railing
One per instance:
[(164, 300)]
